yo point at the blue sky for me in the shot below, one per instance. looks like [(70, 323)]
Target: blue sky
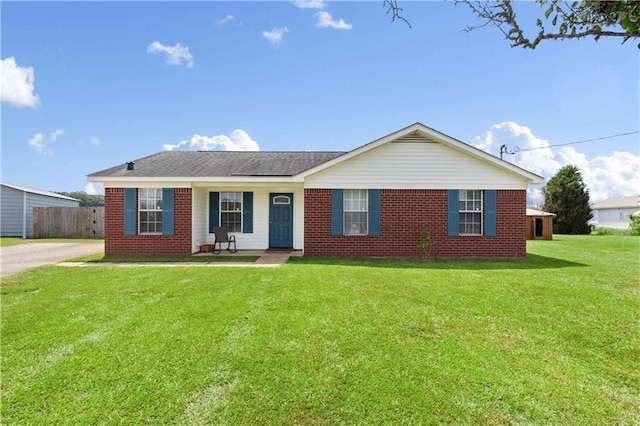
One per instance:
[(86, 86)]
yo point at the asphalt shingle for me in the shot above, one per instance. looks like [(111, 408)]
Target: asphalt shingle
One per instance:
[(220, 163)]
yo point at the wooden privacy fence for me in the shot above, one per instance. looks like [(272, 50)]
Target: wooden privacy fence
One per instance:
[(68, 222)]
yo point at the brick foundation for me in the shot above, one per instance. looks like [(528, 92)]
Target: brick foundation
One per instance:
[(404, 214), (117, 243)]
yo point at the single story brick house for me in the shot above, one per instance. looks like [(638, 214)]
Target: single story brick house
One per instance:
[(371, 201)]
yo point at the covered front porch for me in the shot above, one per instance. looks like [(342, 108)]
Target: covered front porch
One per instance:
[(260, 216)]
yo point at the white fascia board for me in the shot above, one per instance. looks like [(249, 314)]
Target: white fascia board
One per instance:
[(430, 133), (187, 182)]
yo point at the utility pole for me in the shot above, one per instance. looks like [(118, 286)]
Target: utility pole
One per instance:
[(505, 150)]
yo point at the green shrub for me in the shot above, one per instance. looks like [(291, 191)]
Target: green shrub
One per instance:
[(635, 224), (425, 244), (613, 231)]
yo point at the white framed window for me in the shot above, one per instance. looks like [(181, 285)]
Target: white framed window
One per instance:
[(150, 211), (231, 211), (356, 211), (470, 212)]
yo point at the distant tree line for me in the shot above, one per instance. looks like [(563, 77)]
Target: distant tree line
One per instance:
[(86, 200)]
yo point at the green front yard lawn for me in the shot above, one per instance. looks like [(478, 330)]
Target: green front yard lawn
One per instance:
[(553, 339)]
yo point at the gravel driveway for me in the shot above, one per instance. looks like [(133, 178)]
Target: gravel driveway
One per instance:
[(22, 256)]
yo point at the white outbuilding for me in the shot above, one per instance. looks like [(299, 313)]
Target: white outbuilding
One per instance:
[(614, 212), (17, 204)]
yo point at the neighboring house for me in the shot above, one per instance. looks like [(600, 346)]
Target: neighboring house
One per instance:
[(614, 212), (17, 204), (539, 225), (371, 201)]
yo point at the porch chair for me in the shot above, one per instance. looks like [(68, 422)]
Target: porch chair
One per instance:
[(222, 236)]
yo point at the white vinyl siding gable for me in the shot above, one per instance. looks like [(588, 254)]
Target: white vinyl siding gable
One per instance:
[(415, 164)]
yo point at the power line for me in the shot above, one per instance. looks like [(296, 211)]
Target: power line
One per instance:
[(587, 140), (504, 150)]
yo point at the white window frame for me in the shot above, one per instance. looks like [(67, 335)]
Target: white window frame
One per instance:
[(281, 200), (353, 202), (234, 200), (150, 201), (470, 206)]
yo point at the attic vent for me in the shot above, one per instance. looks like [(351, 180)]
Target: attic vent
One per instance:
[(130, 165), (413, 138)]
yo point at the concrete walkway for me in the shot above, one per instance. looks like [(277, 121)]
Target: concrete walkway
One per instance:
[(29, 255), (266, 260)]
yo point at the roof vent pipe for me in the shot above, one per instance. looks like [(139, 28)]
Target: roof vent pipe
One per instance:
[(130, 165)]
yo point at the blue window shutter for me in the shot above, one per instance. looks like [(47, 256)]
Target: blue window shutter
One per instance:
[(453, 213), (130, 211), (214, 210), (337, 206), (374, 212), (167, 211), (247, 212), (490, 213)]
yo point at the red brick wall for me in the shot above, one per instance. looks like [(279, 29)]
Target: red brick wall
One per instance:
[(404, 213), (117, 243)]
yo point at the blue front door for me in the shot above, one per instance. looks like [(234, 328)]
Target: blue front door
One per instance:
[(281, 220)]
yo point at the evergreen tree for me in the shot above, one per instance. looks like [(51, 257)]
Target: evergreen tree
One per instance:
[(567, 196)]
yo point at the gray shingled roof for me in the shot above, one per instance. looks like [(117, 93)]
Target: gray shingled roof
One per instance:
[(632, 201), (220, 163), (38, 192)]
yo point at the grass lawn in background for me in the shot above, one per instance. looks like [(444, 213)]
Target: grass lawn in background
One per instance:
[(552, 339)]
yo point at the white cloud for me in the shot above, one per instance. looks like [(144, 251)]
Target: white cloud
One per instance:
[(16, 84), (38, 142), (615, 175), (94, 141), (53, 136), (42, 144), (540, 161), (309, 4), (325, 20), (175, 55), (90, 189), (275, 35), (238, 140), (225, 20)]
